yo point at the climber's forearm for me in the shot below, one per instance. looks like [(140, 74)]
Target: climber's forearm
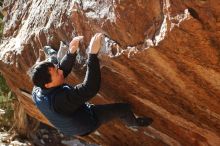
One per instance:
[(66, 64)]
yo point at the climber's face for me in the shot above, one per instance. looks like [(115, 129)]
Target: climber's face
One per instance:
[(57, 77)]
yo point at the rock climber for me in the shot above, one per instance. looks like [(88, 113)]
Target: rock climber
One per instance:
[(66, 106)]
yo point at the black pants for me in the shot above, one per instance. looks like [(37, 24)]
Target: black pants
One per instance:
[(107, 112)]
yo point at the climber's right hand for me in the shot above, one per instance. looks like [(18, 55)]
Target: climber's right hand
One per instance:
[(74, 44), (95, 43)]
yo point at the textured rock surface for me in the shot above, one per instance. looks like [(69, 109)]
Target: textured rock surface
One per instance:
[(162, 56)]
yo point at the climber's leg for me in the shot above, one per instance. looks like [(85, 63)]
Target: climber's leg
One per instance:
[(54, 56), (51, 54), (108, 112)]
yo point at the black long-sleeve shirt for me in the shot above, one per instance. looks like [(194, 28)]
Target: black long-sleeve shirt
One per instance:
[(70, 98)]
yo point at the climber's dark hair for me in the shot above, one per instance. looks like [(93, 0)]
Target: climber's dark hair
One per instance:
[(39, 73)]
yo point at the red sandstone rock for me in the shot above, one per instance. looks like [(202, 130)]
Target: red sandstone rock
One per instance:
[(162, 56)]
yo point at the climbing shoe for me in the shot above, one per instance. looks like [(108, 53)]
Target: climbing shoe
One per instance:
[(51, 54), (49, 51), (144, 121)]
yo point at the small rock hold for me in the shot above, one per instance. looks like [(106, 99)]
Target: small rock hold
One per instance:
[(2, 111), (61, 135), (42, 141), (43, 131), (45, 136)]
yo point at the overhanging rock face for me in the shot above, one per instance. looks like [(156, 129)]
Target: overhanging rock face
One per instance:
[(161, 56)]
